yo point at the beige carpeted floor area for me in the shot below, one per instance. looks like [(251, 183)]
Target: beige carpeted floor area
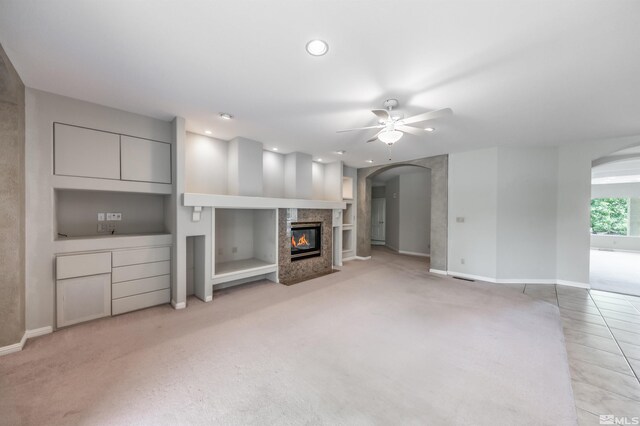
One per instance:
[(381, 342)]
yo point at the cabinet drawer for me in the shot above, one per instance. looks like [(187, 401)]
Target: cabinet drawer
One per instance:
[(86, 152), (83, 299), (144, 285), (145, 270), (80, 265), (145, 160), (133, 257), (139, 301)]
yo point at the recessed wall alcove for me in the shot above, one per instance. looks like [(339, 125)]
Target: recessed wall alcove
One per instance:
[(439, 209)]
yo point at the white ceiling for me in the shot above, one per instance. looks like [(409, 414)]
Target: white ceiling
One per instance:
[(514, 72)]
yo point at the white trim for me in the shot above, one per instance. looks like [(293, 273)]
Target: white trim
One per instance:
[(471, 276), (16, 347), (346, 259), (38, 332), (244, 202), (414, 253), (377, 243), (613, 249), (362, 257), (438, 271), (573, 284), (208, 298), (524, 281), (180, 305)]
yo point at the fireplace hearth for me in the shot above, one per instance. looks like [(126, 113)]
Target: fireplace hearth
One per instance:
[(306, 240)]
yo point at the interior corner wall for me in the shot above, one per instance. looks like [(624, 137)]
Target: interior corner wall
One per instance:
[(317, 181), (272, 174), (12, 204), (207, 159), (527, 204), (473, 211), (245, 167), (392, 213)]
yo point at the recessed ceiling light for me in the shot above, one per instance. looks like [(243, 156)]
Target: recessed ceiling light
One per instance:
[(226, 116), (208, 132), (275, 149), (341, 152), (317, 47), (429, 129), (319, 159), (369, 161)]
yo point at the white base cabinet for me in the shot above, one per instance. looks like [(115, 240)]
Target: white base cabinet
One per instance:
[(83, 287)]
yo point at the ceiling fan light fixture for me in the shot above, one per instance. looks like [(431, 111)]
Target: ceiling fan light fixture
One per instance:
[(390, 136), (317, 47), (225, 116)]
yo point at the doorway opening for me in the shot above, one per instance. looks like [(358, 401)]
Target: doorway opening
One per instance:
[(401, 210), (615, 222)]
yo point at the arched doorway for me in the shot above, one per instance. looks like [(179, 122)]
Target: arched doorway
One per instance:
[(439, 221), (615, 222)]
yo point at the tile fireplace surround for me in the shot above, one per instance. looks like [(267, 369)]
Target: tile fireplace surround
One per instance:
[(293, 272)]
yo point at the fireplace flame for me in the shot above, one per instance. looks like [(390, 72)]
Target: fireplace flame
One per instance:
[(302, 241)]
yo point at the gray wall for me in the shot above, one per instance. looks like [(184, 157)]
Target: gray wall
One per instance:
[(415, 212), (392, 213), (378, 192), (12, 207)]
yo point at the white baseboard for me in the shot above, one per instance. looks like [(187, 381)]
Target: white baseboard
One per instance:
[(573, 284), (38, 332), (471, 276), (524, 281), (361, 257), (180, 305), (16, 347), (346, 259), (438, 271), (208, 298), (377, 243), (413, 253)]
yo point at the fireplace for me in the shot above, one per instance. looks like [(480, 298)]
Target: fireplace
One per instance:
[(306, 240)]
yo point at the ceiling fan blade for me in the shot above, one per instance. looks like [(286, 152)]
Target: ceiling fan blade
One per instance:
[(375, 138), (382, 114), (411, 129), (378, 126), (427, 116)]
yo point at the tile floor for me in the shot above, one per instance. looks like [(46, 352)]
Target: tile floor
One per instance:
[(602, 335)]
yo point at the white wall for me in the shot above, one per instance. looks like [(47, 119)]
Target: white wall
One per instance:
[(527, 198), (392, 213), (317, 181), (616, 190), (473, 197), (415, 212), (245, 167), (207, 164), (273, 174), (42, 110), (615, 242)]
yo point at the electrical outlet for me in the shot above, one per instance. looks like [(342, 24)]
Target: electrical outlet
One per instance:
[(462, 261), (100, 217), (102, 228)]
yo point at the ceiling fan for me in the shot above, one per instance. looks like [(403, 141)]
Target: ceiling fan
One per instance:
[(393, 125)]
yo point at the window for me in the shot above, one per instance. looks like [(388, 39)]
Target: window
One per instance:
[(615, 216)]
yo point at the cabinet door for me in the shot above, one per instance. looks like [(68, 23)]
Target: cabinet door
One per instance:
[(83, 299), (85, 152), (145, 160)]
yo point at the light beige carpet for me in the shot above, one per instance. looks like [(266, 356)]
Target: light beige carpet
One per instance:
[(382, 342)]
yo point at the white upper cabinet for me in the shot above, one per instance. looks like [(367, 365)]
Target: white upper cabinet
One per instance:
[(85, 152), (144, 160)]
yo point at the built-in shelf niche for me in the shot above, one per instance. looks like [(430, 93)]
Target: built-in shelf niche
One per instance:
[(347, 240), (347, 188), (245, 243), (76, 213), (347, 215)]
